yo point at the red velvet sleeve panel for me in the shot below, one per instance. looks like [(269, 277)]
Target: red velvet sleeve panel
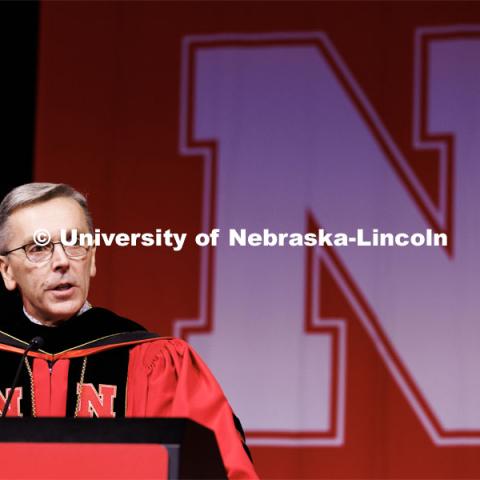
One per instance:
[(167, 378)]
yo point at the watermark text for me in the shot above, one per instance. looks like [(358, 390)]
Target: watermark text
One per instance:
[(244, 238)]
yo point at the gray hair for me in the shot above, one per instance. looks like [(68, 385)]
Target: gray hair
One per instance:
[(32, 193)]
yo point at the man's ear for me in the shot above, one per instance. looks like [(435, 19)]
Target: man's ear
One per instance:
[(93, 267), (7, 273)]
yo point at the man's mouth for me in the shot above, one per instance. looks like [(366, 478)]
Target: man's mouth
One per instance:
[(62, 287)]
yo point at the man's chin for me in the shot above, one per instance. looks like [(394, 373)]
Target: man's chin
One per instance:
[(61, 311)]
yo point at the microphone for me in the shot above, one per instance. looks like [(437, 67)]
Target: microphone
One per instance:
[(35, 344)]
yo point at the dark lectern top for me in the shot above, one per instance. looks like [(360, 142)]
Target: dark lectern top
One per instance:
[(192, 448)]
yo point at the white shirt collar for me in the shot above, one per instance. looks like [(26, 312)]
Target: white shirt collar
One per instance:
[(86, 306)]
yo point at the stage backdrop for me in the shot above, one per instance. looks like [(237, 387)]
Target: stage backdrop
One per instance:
[(342, 362)]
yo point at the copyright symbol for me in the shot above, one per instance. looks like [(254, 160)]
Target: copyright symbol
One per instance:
[(41, 237)]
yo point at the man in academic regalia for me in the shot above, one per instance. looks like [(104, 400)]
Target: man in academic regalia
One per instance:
[(93, 362)]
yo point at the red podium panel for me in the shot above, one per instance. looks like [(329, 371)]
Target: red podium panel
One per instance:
[(115, 448), (83, 461)]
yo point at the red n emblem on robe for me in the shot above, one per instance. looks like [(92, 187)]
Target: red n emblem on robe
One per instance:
[(95, 403)]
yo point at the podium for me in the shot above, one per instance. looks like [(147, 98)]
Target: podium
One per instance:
[(134, 448)]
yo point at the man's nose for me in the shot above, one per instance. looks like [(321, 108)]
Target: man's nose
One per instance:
[(59, 261)]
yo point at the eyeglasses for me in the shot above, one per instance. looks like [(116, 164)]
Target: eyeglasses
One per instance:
[(42, 253)]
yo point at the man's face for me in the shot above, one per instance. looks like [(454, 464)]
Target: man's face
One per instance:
[(56, 289)]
